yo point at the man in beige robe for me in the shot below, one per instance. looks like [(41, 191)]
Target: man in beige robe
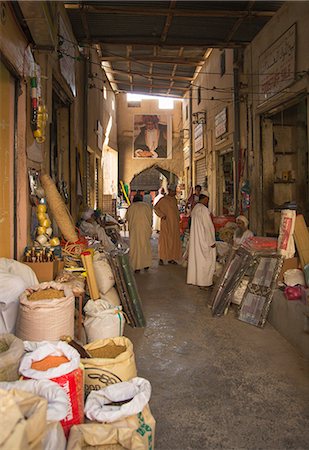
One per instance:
[(169, 239), (139, 217)]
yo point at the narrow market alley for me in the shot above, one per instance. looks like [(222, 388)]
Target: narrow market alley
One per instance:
[(216, 382)]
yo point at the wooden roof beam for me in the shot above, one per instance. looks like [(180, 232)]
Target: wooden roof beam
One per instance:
[(146, 86), (150, 75), (137, 11), (168, 21), (155, 60), (142, 42)]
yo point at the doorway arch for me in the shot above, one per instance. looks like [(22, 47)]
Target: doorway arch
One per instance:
[(151, 179)]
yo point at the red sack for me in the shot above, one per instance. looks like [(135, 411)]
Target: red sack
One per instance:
[(73, 384)]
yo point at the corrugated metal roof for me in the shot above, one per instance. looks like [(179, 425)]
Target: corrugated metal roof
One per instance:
[(158, 44)]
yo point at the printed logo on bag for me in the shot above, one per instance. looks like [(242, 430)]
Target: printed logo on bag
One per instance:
[(143, 429), (96, 379)]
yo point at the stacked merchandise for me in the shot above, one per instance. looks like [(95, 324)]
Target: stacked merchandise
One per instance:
[(256, 261)]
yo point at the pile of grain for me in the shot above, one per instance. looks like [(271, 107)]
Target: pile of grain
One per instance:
[(49, 362), (108, 351), (46, 294)]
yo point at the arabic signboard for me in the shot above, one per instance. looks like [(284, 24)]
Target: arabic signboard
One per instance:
[(198, 138), (221, 123), (277, 65)]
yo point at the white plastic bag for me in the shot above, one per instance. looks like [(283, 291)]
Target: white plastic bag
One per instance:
[(57, 399), (97, 404), (103, 320), (103, 273), (292, 277), (50, 349)]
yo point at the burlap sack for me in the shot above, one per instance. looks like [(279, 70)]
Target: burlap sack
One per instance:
[(32, 413), (46, 319), (133, 433), (11, 352), (101, 372)]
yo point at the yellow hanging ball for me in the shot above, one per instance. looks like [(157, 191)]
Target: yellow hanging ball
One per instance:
[(41, 230), (41, 209)]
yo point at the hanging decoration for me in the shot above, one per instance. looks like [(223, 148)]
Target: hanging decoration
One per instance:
[(39, 114)]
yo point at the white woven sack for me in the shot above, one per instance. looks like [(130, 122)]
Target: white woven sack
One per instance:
[(50, 349), (103, 273), (57, 399), (46, 319), (112, 297), (54, 438), (103, 320), (11, 286), (21, 270), (98, 406)]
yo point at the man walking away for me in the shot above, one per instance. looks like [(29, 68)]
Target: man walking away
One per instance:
[(169, 239), (139, 217), (202, 246)]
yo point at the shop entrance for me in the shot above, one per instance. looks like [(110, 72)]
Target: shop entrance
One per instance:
[(7, 166), (225, 186), (285, 164)]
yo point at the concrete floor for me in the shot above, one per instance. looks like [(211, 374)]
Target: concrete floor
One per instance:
[(217, 383)]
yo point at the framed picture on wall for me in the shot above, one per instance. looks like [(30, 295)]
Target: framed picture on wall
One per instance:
[(152, 136)]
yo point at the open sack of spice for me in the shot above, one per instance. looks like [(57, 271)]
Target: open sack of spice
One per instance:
[(46, 312), (111, 361), (103, 320), (122, 417), (58, 362)]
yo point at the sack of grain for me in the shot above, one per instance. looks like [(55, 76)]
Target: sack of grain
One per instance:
[(113, 361), (102, 320), (103, 273), (58, 362), (11, 352), (127, 424), (23, 420), (112, 297), (46, 312)]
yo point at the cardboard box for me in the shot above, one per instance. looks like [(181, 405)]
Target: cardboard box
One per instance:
[(46, 271), (290, 263)]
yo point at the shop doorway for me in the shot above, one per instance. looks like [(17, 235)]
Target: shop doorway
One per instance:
[(7, 166), (285, 164), (225, 185)]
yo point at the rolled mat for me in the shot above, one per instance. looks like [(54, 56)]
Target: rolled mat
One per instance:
[(59, 209)]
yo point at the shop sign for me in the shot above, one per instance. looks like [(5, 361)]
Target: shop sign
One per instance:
[(277, 65), (198, 138), (221, 123)]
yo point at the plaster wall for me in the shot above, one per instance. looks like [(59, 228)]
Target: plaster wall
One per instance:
[(216, 94), (130, 167), (252, 120)]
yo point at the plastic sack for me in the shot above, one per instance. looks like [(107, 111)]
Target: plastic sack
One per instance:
[(286, 246), (57, 399), (292, 277), (47, 319), (11, 288), (135, 432), (112, 297), (98, 405), (11, 352), (103, 273), (21, 270), (101, 372), (103, 320), (54, 438), (32, 413), (68, 376)]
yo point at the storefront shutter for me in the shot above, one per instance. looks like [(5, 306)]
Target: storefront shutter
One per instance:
[(200, 172)]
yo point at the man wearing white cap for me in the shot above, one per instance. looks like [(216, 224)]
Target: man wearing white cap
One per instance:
[(202, 245), (169, 239), (242, 232)]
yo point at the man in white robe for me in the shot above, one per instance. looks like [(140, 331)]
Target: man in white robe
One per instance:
[(202, 245), (139, 217), (242, 232), (156, 221)]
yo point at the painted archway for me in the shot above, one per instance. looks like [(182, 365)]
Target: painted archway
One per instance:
[(152, 178)]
